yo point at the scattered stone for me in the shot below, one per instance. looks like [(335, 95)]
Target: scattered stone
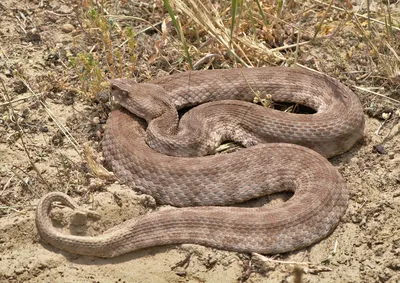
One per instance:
[(43, 129), (379, 149), (68, 98), (361, 46), (51, 17), (78, 218), (25, 113), (181, 272), (57, 139), (64, 9), (19, 271), (67, 28), (210, 262), (376, 111), (33, 36), (8, 73), (34, 105), (19, 87), (394, 264), (384, 276), (391, 155)]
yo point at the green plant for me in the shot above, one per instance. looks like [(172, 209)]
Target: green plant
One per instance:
[(108, 57), (89, 72)]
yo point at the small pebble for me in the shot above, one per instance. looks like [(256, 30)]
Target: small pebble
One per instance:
[(391, 155), (181, 273), (379, 149), (78, 218), (361, 46), (43, 129), (68, 98), (57, 139), (96, 120), (19, 271), (67, 28), (65, 9), (8, 73), (19, 87), (33, 36)]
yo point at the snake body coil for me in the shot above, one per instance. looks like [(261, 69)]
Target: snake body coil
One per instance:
[(165, 160)]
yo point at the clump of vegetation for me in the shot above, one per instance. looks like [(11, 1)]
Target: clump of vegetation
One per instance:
[(112, 55), (257, 33)]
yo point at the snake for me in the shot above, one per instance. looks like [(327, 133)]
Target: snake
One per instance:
[(161, 140)]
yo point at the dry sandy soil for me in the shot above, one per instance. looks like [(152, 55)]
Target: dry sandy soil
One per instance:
[(44, 95)]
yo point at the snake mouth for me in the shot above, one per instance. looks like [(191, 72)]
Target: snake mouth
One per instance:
[(119, 98), (115, 102)]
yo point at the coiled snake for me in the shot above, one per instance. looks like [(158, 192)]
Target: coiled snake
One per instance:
[(284, 152)]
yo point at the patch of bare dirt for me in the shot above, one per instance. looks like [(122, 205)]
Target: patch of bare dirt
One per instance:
[(52, 103)]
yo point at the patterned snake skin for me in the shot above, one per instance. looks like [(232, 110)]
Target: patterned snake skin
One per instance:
[(284, 152)]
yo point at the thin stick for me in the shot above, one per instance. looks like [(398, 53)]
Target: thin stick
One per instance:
[(15, 100), (289, 46), (378, 94), (264, 258), (295, 263)]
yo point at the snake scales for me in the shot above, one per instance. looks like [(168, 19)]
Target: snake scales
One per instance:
[(274, 160)]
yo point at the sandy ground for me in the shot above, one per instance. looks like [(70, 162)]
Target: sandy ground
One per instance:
[(36, 39)]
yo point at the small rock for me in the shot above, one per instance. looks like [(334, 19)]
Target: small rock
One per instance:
[(57, 139), (34, 105), (43, 129), (64, 9), (96, 120), (67, 28), (19, 87), (78, 218), (391, 155), (68, 98), (25, 113), (51, 17), (379, 149), (8, 73), (19, 271), (33, 36), (181, 273), (394, 264)]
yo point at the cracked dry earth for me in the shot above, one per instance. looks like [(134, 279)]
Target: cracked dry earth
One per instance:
[(365, 247)]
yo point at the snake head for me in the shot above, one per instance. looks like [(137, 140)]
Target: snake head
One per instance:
[(144, 100)]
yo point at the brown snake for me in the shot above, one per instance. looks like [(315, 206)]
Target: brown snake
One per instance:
[(271, 161)]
